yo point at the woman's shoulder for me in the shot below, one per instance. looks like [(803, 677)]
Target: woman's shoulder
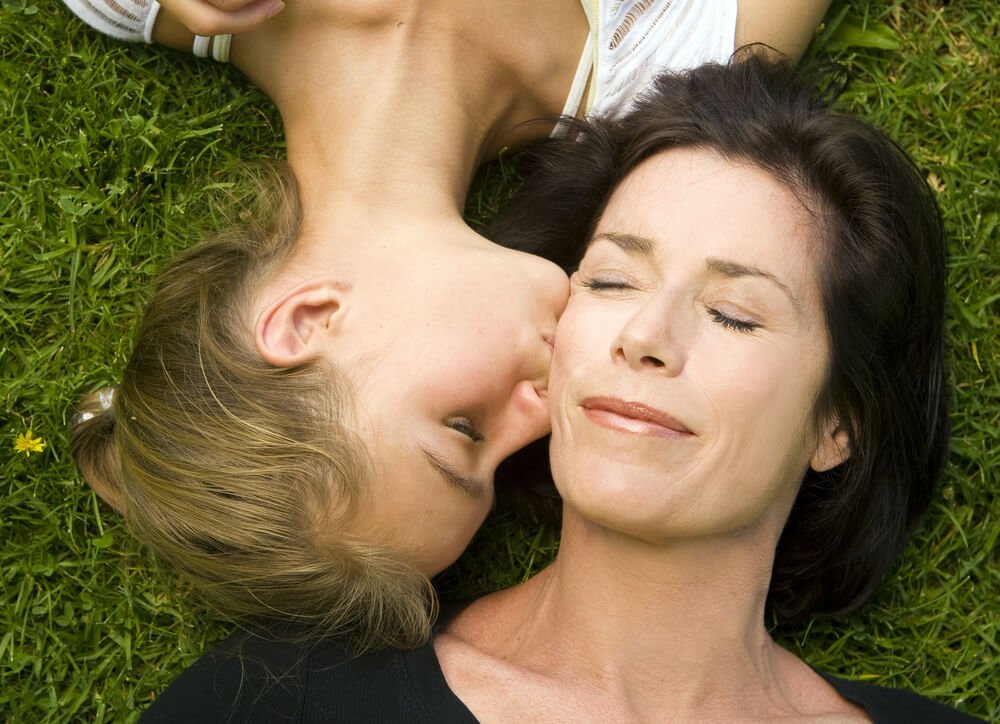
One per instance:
[(250, 677), (890, 706), (258, 678)]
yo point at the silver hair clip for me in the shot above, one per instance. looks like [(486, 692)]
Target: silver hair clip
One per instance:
[(105, 398)]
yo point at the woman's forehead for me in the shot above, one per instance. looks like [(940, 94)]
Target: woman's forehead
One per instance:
[(695, 201)]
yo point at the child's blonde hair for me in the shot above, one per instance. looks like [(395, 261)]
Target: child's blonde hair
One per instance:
[(242, 475)]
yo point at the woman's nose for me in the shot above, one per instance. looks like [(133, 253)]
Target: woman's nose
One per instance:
[(650, 341)]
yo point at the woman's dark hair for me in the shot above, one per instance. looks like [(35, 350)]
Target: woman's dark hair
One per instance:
[(882, 283)]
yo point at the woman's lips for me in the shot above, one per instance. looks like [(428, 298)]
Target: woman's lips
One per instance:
[(632, 417)]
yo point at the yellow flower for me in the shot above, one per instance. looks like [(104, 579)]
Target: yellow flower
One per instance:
[(27, 443)]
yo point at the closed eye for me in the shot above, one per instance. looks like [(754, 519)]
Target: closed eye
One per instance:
[(737, 325), (465, 426), (470, 486), (604, 284)]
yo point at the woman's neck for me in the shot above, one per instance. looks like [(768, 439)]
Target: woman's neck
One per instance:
[(673, 627), (639, 601)]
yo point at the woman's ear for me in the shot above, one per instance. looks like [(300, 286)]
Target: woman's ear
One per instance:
[(833, 446), (296, 327)]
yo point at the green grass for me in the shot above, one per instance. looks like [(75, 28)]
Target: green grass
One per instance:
[(104, 157)]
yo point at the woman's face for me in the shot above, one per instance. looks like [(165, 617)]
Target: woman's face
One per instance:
[(691, 354), (451, 375)]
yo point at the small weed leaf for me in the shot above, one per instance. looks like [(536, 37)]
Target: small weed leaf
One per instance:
[(105, 541), (20, 7), (856, 32), (71, 207)]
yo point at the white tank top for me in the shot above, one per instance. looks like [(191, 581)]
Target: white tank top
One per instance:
[(632, 41)]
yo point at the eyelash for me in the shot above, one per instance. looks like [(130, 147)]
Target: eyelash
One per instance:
[(737, 325), (601, 284), (464, 425)]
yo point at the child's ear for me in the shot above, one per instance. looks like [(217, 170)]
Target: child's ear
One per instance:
[(297, 326)]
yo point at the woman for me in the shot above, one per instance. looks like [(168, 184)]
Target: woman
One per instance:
[(749, 414), (752, 353), (276, 371)]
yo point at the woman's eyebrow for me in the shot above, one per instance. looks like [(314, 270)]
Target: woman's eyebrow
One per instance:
[(470, 486), (735, 269), (629, 243)]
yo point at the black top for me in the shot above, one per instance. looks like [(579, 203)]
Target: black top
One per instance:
[(248, 678)]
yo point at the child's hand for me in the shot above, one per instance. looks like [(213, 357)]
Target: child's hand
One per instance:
[(215, 17)]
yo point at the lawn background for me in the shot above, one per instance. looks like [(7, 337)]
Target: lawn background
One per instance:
[(106, 158)]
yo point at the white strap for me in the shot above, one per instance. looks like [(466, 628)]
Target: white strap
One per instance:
[(147, 30), (578, 88)]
